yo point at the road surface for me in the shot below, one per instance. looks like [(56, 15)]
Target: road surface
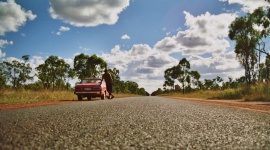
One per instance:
[(134, 123)]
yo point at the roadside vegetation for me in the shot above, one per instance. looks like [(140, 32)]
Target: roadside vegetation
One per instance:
[(52, 80), (11, 96), (250, 34)]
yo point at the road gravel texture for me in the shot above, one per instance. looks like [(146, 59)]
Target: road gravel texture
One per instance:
[(134, 123)]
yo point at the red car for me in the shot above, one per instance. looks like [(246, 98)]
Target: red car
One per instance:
[(90, 88)]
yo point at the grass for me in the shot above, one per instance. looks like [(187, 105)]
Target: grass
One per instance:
[(209, 94), (27, 96), (260, 92)]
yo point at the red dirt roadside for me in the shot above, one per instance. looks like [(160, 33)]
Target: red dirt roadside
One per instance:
[(15, 106), (253, 106)]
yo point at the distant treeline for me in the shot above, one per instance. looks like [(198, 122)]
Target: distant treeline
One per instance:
[(55, 74)]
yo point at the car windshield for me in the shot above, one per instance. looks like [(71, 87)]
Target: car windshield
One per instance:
[(90, 81)]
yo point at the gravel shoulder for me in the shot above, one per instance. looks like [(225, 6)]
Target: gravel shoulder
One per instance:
[(253, 106)]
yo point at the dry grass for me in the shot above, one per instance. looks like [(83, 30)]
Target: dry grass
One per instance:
[(27, 96), (207, 94), (260, 92)]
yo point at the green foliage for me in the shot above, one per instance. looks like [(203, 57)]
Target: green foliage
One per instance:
[(54, 72), (15, 72), (88, 66), (181, 73), (249, 40)]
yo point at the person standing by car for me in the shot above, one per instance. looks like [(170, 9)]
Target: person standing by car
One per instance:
[(109, 82)]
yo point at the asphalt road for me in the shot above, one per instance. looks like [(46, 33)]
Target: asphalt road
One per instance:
[(134, 123)]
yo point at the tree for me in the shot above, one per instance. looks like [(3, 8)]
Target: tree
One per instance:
[(86, 66), (80, 66), (250, 38), (195, 75), (184, 76), (181, 73), (208, 84), (267, 68), (246, 37), (15, 72), (132, 87), (54, 72), (2, 76), (170, 75), (25, 70), (157, 92)]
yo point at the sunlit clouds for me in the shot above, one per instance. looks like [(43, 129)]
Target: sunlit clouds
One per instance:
[(13, 16), (87, 12)]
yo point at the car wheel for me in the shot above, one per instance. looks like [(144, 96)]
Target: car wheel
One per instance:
[(103, 96), (89, 98), (79, 97)]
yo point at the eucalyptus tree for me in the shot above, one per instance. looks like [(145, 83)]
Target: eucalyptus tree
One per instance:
[(54, 72), (15, 72), (246, 37), (25, 70), (249, 32), (96, 66), (181, 73), (195, 75), (88, 66), (267, 68), (132, 87), (80, 65), (170, 76), (184, 74), (3, 78), (216, 83)]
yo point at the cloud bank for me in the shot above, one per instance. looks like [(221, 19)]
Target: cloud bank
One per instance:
[(248, 5), (13, 16), (205, 34), (87, 12)]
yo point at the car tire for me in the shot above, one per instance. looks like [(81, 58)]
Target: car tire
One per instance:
[(80, 97), (103, 96), (89, 98)]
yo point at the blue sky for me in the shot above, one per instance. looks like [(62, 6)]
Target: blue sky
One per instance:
[(141, 38)]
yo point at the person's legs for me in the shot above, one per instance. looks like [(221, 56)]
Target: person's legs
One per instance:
[(109, 89)]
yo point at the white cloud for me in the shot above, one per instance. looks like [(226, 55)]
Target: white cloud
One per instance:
[(87, 12), (84, 49), (167, 45), (2, 45), (248, 5), (204, 43), (205, 34), (2, 54), (62, 29), (13, 16), (125, 37), (142, 64), (223, 65), (10, 59), (5, 42)]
